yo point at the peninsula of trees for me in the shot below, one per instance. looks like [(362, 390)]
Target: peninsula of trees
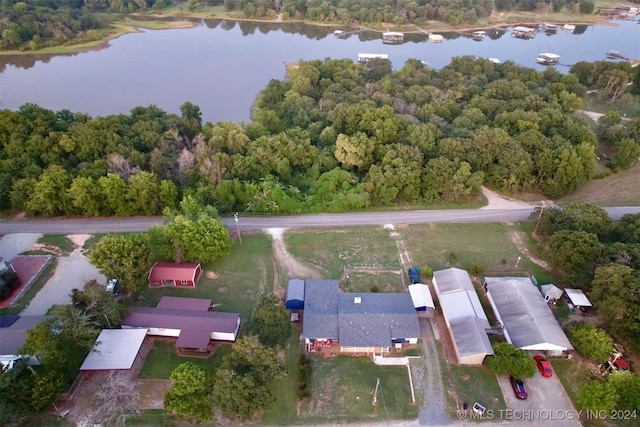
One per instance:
[(335, 137)]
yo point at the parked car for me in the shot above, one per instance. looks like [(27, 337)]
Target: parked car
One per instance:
[(543, 366), (518, 388), (112, 286), (414, 274)]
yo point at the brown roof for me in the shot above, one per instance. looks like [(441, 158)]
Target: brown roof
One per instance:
[(173, 271), (194, 338), (179, 303), (169, 318)]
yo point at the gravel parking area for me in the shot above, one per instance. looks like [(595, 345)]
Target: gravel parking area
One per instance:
[(14, 244)]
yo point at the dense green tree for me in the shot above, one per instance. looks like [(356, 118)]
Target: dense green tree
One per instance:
[(626, 385), (143, 193), (86, 196), (591, 341), (241, 385), (47, 387), (509, 360), (616, 296), (197, 233), (49, 195), (628, 228), (101, 305), (597, 396), (270, 321), (576, 254), (190, 394), (126, 258)]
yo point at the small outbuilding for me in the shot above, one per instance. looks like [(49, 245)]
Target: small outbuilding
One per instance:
[(115, 350), (181, 274), (295, 295), (578, 299), (422, 299), (551, 292)]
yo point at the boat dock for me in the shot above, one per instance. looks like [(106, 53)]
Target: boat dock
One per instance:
[(523, 32), (344, 34), (366, 57), (548, 59), (392, 37), (616, 54)]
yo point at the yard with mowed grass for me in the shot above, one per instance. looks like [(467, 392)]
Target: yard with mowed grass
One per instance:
[(384, 281), (163, 359), (336, 249), (242, 276), (343, 387), (459, 245), (477, 384)]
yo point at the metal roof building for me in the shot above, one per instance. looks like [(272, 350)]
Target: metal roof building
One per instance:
[(577, 297), (115, 349), (295, 295), (528, 321), (422, 300), (551, 292), (463, 314)]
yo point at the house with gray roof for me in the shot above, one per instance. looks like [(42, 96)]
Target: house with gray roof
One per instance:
[(528, 321), (370, 323)]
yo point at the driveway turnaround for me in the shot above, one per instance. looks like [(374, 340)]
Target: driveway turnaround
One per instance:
[(14, 244), (547, 403), (71, 273)]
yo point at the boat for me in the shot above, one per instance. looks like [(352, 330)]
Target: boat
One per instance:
[(392, 37), (616, 54), (523, 32), (478, 35), (550, 28), (569, 28), (436, 38), (338, 33), (548, 59), (366, 57)]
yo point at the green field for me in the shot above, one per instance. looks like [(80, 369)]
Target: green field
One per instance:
[(621, 189), (163, 359), (242, 276), (343, 388), (338, 249), (362, 281), (477, 384)]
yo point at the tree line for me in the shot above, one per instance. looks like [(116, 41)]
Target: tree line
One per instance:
[(334, 137)]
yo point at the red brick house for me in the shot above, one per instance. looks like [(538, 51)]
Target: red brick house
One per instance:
[(183, 274)]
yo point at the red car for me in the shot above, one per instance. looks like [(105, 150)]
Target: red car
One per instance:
[(543, 366), (518, 388)]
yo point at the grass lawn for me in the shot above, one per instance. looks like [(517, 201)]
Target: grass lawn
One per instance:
[(242, 276), (477, 384), (33, 290), (621, 189), (162, 359), (459, 245), (283, 410), (334, 250), (58, 241), (386, 281), (342, 390)]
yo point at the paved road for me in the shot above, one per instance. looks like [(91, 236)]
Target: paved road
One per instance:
[(109, 225)]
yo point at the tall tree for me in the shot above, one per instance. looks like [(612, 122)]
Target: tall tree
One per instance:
[(190, 394), (126, 258), (100, 304), (576, 254), (591, 341), (509, 360), (616, 296), (271, 321)]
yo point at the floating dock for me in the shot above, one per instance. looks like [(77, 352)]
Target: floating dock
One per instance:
[(366, 57), (523, 32), (392, 37), (548, 59)]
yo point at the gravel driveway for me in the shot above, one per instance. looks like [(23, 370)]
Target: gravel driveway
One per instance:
[(71, 273), (14, 244)]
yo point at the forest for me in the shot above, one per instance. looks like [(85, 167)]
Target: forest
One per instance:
[(334, 137)]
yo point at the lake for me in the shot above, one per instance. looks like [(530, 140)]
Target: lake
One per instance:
[(221, 65)]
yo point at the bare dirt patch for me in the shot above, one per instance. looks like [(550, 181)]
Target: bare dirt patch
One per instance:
[(43, 247), (79, 239), (152, 393), (212, 275), (517, 237), (498, 201), (290, 265), (222, 289)]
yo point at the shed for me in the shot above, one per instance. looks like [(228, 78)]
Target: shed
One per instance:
[(115, 349), (528, 321), (183, 274), (551, 292), (422, 300), (295, 295), (577, 297)]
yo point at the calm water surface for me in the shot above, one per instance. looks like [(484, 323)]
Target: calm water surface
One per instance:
[(222, 65)]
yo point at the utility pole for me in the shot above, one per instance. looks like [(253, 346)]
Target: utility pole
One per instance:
[(235, 217), (535, 230)]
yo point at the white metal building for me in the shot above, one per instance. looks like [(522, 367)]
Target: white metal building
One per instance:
[(463, 314), (528, 321)]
